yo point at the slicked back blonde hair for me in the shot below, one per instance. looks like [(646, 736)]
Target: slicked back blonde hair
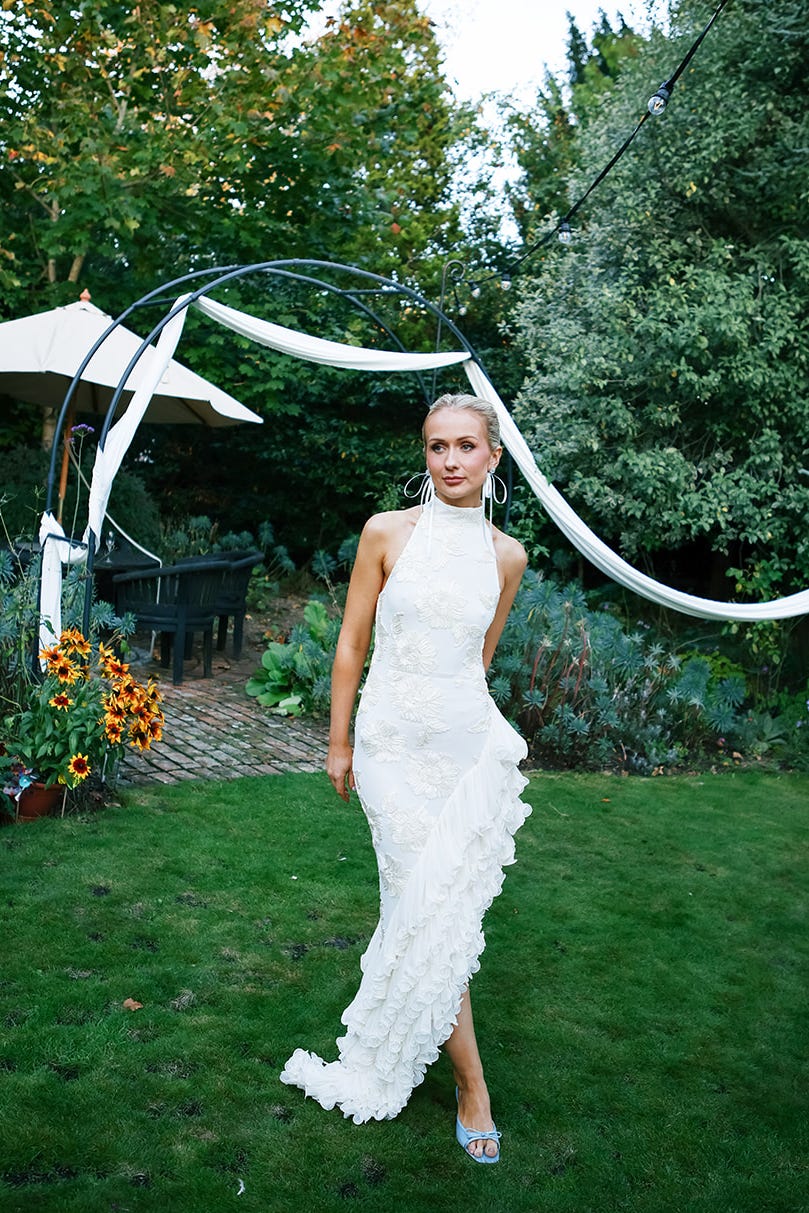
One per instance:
[(474, 404)]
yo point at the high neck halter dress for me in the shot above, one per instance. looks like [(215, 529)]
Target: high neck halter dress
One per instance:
[(436, 769)]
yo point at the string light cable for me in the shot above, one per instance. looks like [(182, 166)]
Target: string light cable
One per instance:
[(655, 106)]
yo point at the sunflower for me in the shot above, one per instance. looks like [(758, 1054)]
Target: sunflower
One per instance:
[(79, 767), (60, 700)]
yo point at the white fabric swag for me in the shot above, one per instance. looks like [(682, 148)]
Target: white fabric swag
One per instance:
[(336, 354)]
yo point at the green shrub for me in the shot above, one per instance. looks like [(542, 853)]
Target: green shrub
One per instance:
[(25, 474), (587, 693), (295, 678)]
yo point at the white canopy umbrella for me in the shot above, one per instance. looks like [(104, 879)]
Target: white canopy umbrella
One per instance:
[(40, 354)]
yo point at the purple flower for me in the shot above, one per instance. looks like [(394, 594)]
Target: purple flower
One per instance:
[(81, 429)]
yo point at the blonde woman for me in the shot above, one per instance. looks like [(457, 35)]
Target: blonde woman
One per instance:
[(436, 769)]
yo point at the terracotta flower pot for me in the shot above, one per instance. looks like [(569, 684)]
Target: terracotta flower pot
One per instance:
[(38, 801)]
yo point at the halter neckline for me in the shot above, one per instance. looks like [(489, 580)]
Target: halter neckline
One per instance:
[(447, 510)]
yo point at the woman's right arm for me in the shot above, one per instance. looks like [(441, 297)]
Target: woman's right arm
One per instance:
[(354, 641)]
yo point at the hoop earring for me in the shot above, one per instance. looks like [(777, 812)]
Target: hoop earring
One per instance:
[(424, 491), (494, 489)]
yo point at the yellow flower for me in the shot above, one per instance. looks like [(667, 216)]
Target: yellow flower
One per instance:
[(79, 767), (139, 738), (73, 642), (51, 653), (65, 670), (61, 700), (113, 730)]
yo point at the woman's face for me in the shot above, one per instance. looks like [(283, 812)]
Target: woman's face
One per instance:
[(458, 455)]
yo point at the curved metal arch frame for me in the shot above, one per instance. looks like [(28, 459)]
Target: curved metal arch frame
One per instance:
[(288, 268)]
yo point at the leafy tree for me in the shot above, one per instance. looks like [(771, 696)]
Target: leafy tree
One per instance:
[(668, 348), (129, 131), (140, 138), (137, 142), (544, 139)]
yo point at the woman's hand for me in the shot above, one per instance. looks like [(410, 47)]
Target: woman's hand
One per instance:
[(339, 761)]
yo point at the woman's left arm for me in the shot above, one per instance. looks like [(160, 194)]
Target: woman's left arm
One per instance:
[(511, 559)]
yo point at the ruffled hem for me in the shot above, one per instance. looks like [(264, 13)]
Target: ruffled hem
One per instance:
[(415, 972)]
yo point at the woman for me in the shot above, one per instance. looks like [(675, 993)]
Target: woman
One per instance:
[(435, 766)]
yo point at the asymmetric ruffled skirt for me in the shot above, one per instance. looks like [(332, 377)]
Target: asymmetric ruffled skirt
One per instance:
[(416, 968)]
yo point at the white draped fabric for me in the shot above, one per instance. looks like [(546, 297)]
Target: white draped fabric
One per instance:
[(336, 354), (120, 436), (603, 557), (59, 551), (316, 349)]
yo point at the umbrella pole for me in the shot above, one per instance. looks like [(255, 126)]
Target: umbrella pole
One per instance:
[(66, 440)]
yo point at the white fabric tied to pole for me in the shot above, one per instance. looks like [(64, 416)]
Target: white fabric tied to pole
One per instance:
[(119, 437), (316, 349), (603, 557), (57, 550)]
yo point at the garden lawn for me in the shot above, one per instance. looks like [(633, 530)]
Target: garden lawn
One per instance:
[(640, 1008)]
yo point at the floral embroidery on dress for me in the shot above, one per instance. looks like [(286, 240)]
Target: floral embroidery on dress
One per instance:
[(440, 606), (415, 652), (409, 825), (432, 776), (483, 721), (420, 700), (392, 874), (381, 739)]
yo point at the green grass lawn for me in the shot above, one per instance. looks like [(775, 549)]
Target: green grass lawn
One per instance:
[(641, 1007)]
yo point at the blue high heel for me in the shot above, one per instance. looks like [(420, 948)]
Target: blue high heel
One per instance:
[(465, 1136)]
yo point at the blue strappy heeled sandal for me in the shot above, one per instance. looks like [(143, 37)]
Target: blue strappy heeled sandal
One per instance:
[(465, 1136)]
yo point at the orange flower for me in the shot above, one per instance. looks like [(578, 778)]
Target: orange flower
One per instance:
[(52, 654), (65, 670), (60, 700), (139, 738), (113, 707), (114, 668), (113, 731), (105, 653), (79, 767), (73, 641)]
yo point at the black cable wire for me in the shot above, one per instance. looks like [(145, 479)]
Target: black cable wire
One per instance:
[(565, 220)]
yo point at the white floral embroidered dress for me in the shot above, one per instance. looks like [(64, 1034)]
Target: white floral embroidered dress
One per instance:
[(436, 770)]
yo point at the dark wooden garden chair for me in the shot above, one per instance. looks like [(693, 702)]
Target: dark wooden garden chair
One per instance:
[(176, 600), (232, 599), (231, 602)]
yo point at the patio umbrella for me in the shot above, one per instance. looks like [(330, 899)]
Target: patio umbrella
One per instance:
[(40, 354)]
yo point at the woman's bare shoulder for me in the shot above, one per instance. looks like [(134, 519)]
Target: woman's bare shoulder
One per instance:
[(387, 534), (511, 555), (391, 523)]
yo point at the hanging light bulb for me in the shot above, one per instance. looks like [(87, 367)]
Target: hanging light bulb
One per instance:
[(460, 308), (659, 100), (505, 282), (565, 234), (474, 290)]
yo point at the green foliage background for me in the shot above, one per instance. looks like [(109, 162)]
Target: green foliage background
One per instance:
[(668, 350)]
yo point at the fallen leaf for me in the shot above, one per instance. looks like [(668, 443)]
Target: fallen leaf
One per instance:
[(129, 1004)]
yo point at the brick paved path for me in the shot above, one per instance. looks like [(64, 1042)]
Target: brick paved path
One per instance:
[(214, 729)]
